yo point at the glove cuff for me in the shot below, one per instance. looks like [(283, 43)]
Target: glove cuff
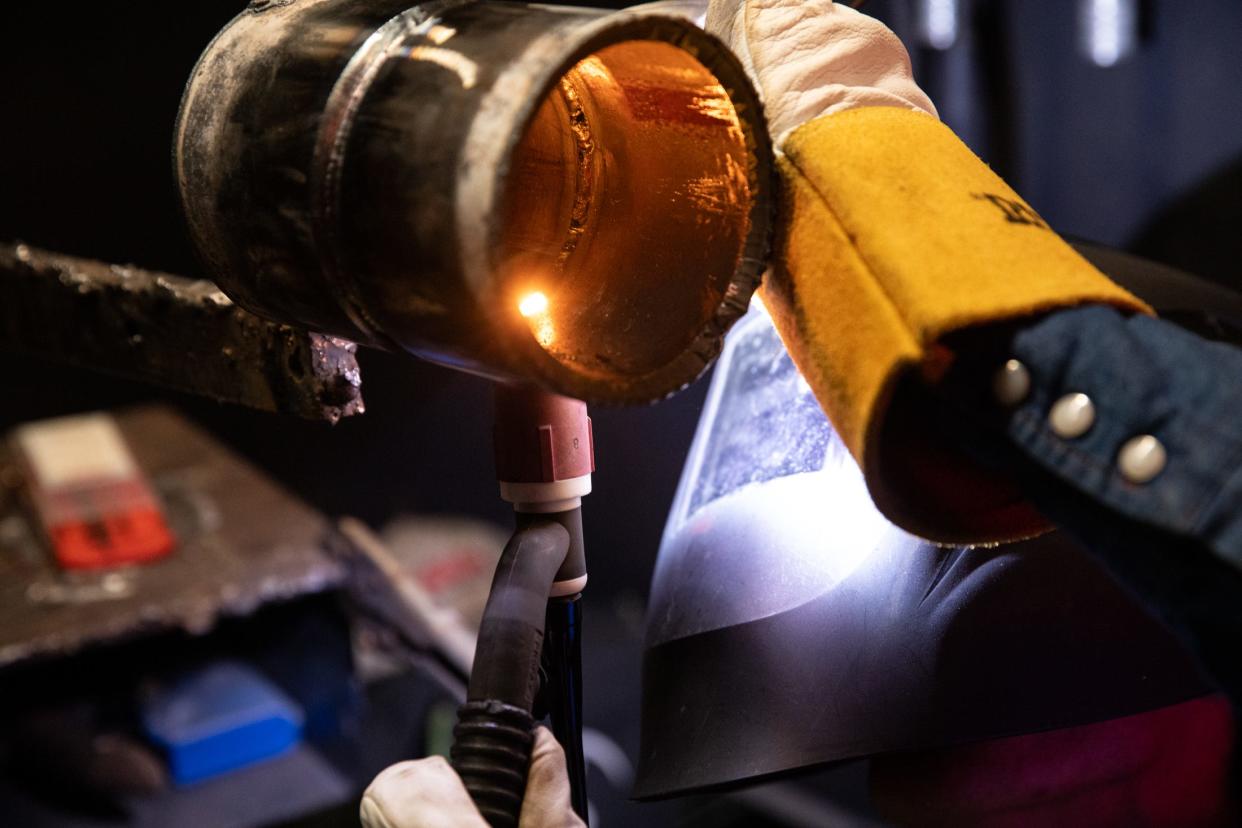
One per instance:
[(895, 235)]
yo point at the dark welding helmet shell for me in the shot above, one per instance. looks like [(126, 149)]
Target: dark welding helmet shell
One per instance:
[(790, 626)]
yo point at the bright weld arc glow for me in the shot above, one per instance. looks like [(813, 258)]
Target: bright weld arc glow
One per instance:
[(533, 304)]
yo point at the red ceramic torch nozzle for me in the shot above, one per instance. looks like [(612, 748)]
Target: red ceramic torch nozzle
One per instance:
[(544, 450)]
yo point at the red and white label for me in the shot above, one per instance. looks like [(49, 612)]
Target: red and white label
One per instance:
[(93, 501)]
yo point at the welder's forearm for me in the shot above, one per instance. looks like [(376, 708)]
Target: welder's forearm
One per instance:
[(896, 237), (1132, 414), (1124, 431)]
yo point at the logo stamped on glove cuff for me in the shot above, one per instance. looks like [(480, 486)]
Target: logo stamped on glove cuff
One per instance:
[(1015, 212)]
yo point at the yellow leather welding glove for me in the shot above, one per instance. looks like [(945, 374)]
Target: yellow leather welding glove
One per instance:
[(894, 236)]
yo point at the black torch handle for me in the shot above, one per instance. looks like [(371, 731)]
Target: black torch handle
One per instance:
[(493, 737), (491, 751), (562, 659)]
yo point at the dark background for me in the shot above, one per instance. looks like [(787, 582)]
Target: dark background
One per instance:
[(1145, 155)]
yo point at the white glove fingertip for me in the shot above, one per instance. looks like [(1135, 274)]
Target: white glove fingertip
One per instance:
[(547, 803), (426, 793), (810, 58), (371, 814)]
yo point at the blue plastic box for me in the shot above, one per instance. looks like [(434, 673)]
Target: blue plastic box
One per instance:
[(220, 718)]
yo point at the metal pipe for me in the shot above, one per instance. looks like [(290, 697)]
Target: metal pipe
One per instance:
[(571, 197), (171, 331)]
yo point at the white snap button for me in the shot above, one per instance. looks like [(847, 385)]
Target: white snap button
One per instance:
[(1072, 416), (1141, 458), (1011, 383)]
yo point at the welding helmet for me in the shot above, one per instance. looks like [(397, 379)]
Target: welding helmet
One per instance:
[(791, 625)]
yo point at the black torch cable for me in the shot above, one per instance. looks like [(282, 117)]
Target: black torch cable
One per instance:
[(493, 736)]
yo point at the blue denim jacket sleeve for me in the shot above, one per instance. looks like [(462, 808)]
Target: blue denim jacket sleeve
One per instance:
[(1175, 540), (1144, 376)]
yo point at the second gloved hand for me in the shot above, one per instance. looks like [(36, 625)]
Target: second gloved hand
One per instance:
[(894, 237), (428, 793), (815, 58)]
